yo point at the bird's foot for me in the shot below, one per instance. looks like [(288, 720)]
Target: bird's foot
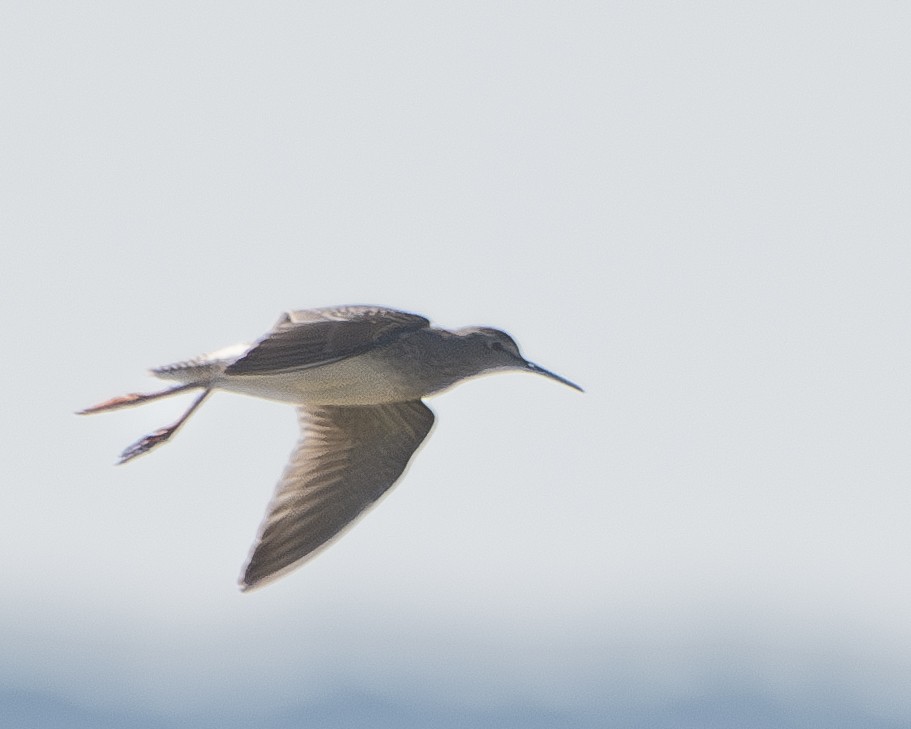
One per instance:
[(146, 444), (124, 401)]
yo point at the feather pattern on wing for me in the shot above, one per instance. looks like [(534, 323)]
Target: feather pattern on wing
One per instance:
[(347, 458), (313, 337)]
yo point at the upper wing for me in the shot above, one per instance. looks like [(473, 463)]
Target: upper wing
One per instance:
[(348, 457), (314, 337)]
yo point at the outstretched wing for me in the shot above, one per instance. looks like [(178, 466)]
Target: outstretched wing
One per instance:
[(312, 337), (347, 458)]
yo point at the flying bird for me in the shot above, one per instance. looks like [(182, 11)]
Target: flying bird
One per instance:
[(357, 376)]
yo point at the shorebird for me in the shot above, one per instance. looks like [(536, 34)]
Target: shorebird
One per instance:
[(358, 376)]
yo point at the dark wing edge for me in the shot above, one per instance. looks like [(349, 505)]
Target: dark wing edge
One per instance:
[(346, 460)]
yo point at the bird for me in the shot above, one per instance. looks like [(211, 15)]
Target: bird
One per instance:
[(358, 376)]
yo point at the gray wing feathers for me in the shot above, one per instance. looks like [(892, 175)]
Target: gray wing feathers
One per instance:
[(348, 457), (302, 339)]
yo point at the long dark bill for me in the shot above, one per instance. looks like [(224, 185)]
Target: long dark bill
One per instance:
[(532, 367)]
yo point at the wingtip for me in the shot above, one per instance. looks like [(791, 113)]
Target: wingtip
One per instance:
[(245, 585), (248, 582)]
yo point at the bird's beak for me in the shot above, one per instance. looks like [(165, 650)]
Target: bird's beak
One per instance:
[(532, 367)]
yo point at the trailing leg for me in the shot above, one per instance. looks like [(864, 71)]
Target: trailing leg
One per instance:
[(156, 438), (135, 398)]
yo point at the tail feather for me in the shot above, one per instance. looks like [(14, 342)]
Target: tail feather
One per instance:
[(202, 369)]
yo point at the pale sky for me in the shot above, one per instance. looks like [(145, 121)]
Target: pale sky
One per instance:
[(698, 211)]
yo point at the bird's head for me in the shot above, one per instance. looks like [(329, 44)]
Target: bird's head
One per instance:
[(494, 349)]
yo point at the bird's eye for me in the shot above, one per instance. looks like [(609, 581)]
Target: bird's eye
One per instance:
[(497, 346)]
